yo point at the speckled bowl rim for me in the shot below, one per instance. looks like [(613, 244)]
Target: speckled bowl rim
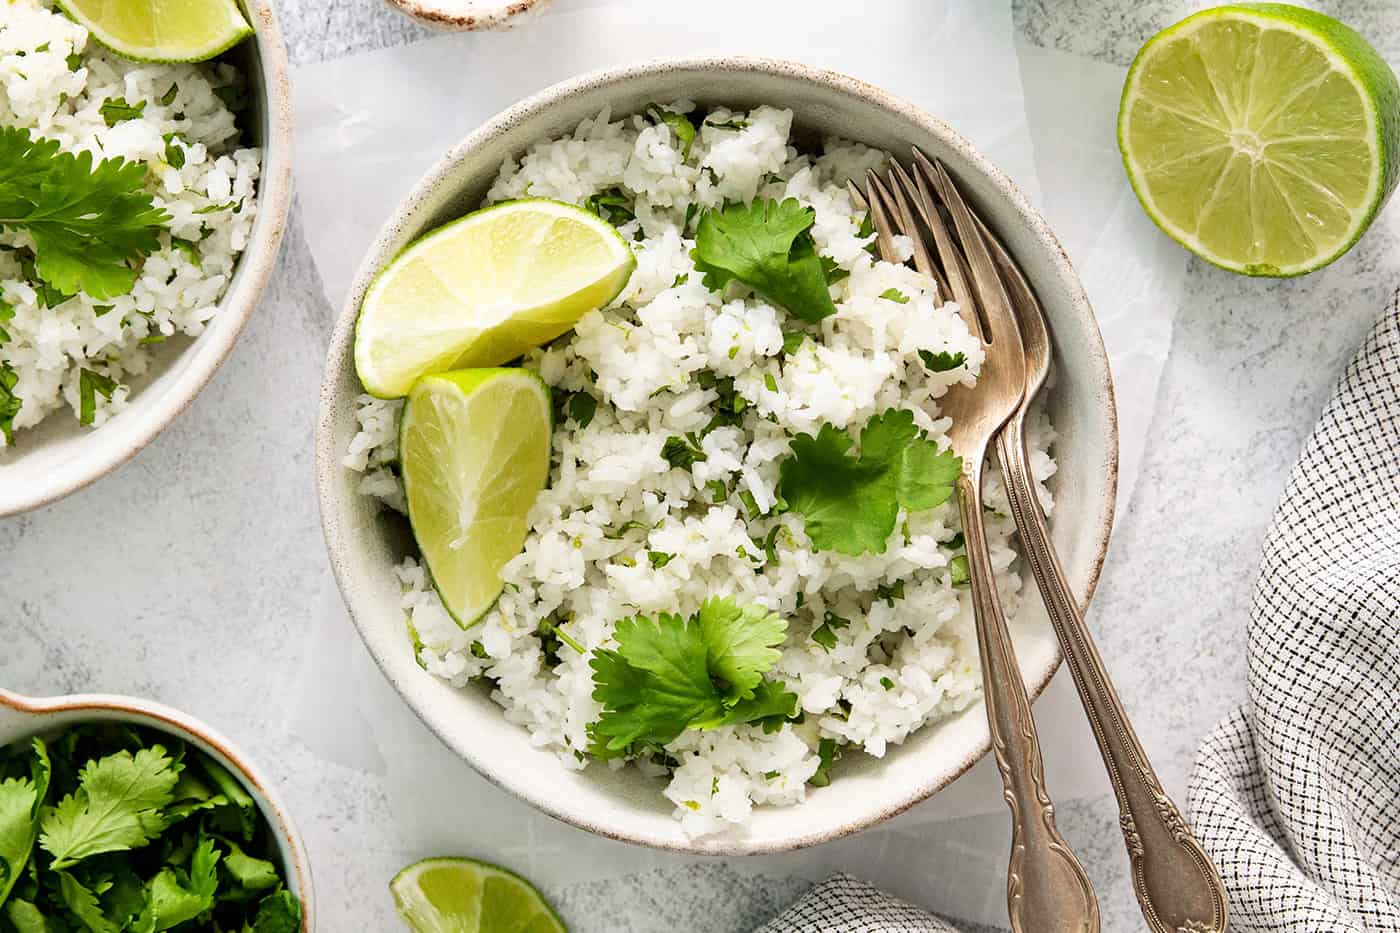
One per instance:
[(439, 16), (328, 460), (254, 268), (148, 712)]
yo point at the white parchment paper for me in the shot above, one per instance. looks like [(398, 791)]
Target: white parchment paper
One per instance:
[(368, 127)]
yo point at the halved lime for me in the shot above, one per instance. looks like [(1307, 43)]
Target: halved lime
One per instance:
[(474, 449), (1260, 136), (460, 895), (162, 30), (484, 289)]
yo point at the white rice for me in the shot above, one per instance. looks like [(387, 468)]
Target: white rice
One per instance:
[(902, 662), (175, 293)]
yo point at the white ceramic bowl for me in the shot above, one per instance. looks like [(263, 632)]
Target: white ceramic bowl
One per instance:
[(59, 456), (469, 15), (22, 717), (365, 544)]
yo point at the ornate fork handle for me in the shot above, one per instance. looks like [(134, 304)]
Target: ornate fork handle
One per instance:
[(1174, 880), (1047, 888)]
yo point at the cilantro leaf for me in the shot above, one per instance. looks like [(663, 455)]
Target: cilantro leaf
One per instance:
[(25, 917), (942, 361), (740, 643), (83, 903), (582, 408), (20, 800), (117, 806), (90, 385), (249, 873), (612, 205), (677, 123), (7, 314), (849, 503), (767, 246), (279, 912), (682, 452), (669, 674), (89, 220), (895, 295)]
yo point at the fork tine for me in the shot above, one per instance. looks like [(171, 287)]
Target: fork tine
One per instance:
[(998, 318), (857, 196), (958, 274), (904, 193), (880, 213)]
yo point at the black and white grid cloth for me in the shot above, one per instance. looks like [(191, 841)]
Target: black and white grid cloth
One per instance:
[(1297, 796)]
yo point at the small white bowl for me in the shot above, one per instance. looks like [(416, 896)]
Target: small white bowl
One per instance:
[(22, 717), (58, 457), (365, 544), (469, 15)]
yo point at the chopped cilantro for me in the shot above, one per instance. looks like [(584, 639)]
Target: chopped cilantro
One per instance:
[(174, 155), (7, 314), (235, 97), (956, 542), (612, 205), (189, 248), (90, 385), (825, 634), (10, 402), (582, 408), (769, 382), (718, 491), (613, 535), (889, 593), (168, 97), (958, 570), (670, 674), (215, 208), (793, 339), (681, 280), (751, 508), (659, 559), (90, 221), (682, 452), (767, 246), (152, 338), (833, 271), (730, 124), (895, 295), (677, 123), (828, 753), (74, 61), (942, 361), (850, 503), (887, 683), (115, 110)]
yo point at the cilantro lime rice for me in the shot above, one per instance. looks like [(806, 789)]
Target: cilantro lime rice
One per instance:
[(756, 488), (149, 254)]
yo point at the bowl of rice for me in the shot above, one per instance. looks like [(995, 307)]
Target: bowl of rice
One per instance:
[(676, 407), (87, 381)]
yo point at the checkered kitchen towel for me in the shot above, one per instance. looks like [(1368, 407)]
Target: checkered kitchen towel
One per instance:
[(1297, 796)]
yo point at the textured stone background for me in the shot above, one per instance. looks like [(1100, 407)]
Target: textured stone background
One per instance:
[(189, 575)]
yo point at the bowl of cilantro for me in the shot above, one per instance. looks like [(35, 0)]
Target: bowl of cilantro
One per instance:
[(145, 178), (118, 813), (711, 585)]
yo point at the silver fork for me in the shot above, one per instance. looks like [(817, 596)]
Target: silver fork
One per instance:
[(1176, 885), (1047, 887)]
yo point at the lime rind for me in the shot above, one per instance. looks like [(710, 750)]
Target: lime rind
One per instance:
[(218, 45), (369, 326), (423, 916), (1349, 55)]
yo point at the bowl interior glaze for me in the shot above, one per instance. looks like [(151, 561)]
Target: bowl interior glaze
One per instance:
[(365, 545)]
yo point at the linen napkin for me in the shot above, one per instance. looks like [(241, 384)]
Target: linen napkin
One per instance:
[(1297, 796), (842, 904)]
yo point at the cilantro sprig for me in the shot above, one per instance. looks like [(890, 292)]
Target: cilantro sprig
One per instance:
[(767, 246), (849, 502), (110, 828), (670, 674), (91, 221)]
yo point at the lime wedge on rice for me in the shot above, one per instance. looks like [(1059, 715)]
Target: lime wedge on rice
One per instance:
[(1260, 136), (484, 289), (162, 30), (458, 895), (474, 450)]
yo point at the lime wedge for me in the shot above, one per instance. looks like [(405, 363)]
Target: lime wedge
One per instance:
[(459, 895), (474, 449), (1262, 137), (162, 30), (484, 289)]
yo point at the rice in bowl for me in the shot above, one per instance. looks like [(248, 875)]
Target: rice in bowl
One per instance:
[(179, 121), (878, 644)]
